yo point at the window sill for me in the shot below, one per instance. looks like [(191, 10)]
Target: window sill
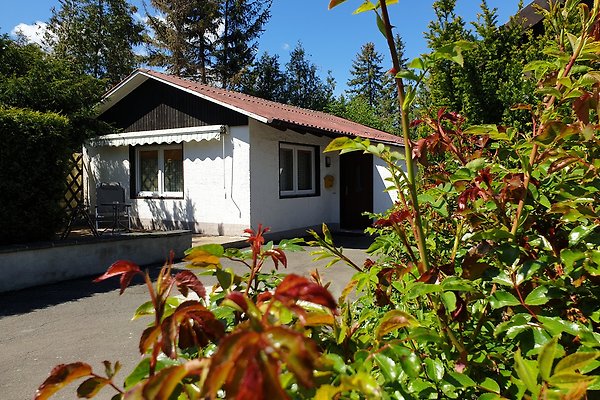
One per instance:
[(159, 197), (297, 196)]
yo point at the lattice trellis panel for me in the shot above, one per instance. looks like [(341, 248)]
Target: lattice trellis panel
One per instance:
[(74, 194)]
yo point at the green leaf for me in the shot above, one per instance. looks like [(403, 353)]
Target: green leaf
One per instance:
[(225, 277), (462, 174), (570, 257), (489, 130), (449, 300), (575, 361), (527, 373), (579, 233), (460, 380), (407, 74), (555, 326), (394, 320), (387, 366), (491, 385), (142, 370), (341, 143), (537, 297), (435, 369), (570, 379), (145, 309), (417, 289), (380, 25), (546, 358), (503, 299), (416, 63), (366, 6)]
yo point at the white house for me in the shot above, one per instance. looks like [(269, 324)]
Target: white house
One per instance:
[(192, 156)]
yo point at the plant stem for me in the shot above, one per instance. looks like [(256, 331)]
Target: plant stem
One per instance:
[(410, 168), (534, 149)]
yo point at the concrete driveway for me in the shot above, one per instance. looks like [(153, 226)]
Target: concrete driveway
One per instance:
[(84, 321)]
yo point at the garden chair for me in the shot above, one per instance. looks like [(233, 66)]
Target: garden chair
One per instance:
[(112, 212)]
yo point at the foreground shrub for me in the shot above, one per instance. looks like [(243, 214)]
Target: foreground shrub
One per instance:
[(482, 281)]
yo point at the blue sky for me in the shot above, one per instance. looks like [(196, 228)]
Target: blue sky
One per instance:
[(331, 38)]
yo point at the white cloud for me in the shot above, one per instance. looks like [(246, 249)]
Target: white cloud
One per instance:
[(286, 46), (32, 33)]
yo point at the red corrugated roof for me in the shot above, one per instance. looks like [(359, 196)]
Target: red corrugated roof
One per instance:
[(273, 113)]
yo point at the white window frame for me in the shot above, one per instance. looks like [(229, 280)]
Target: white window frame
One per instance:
[(295, 192), (161, 171)]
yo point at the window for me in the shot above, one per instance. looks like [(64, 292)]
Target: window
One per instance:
[(159, 171), (297, 170)]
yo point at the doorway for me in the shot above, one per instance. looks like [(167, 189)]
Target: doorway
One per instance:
[(356, 190)]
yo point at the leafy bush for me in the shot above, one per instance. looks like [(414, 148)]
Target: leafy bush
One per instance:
[(37, 143), (482, 282), (33, 166)]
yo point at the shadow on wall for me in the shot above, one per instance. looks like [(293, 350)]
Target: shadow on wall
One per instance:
[(168, 214), (99, 171)]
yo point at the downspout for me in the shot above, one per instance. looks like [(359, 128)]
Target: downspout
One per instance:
[(224, 131)]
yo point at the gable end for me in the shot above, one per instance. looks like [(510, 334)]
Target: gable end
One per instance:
[(154, 105)]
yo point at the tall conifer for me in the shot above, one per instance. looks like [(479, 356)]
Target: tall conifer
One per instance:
[(367, 74), (98, 36)]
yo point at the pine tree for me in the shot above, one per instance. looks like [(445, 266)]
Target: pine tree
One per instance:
[(303, 86), (98, 36), (444, 84), (367, 75), (489, 83), (183, 36), (242, 24), (264, 79)]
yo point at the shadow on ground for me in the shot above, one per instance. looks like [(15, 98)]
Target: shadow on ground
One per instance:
[(27, 300)]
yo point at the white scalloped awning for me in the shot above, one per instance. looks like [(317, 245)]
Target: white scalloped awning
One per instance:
[(179, 135)]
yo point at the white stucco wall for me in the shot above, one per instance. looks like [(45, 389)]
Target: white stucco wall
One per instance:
[(287, 214), (383, 200), (216, 186)]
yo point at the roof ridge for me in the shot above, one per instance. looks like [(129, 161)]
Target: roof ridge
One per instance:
[(270, 110)]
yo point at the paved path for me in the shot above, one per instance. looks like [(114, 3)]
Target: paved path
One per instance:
[(83, 321)]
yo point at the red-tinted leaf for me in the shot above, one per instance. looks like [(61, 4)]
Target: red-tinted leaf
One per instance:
[(199, 324), (335, 3), (162, 385), (295, 287), (232, 356), (251, 384), (126, 269), (149, 337), (256, 238), (238, 299), (264, 297), (419, 151), (460, 313), (484, 176), (278, 256), (430, 276), (562, 163), (61, 376), (90, 387), (395, 218), (187, 280), (416, 123), (581, 106)]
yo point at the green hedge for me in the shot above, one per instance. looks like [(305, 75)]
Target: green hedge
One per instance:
[(33, 166)]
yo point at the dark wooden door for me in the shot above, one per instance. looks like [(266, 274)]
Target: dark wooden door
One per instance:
[(356, 185)]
